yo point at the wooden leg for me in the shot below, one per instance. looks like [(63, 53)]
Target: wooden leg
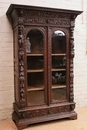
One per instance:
[(22, 127), (74, 116)]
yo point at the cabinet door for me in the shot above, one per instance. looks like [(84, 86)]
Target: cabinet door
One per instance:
[(36, 67), (58, 57)]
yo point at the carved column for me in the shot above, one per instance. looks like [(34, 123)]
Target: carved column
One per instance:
[(71, 57), (21, 65)]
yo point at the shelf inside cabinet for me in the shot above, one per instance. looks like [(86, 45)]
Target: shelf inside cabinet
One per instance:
[(35, 88), (58, 86), (37, 70), (34, 54), (58, 69), (62, 54)]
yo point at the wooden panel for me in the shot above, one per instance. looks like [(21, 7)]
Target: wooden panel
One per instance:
[(16, 65)]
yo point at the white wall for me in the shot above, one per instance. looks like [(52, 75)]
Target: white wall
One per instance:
[(6, 52)]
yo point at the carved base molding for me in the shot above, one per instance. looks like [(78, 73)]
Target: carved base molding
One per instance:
[(23, 123), (27, 117)]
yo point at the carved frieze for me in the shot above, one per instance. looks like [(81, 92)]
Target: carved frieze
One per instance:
[(59, 109), (59, 21), (47, 21), (35, 20), (44, 112), (48, 14), (46, 17)]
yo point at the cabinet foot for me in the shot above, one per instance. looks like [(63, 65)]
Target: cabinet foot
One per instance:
[(22, 127), (73, 117)]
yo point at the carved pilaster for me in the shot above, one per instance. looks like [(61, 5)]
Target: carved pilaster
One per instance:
[(21, 65), (71, 59)]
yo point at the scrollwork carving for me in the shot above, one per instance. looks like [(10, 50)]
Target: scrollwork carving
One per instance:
[(49, 17), (20, 36), (72, 107), (36, 113), (44, 112), (44, 14), (47, 21), (35, 20), (59, 22)]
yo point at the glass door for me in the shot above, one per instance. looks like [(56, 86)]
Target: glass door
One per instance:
[(35, 67), (58, 70)]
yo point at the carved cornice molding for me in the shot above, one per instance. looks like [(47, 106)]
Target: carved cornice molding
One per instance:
[(45, 14), (41, 15), (60, 18)]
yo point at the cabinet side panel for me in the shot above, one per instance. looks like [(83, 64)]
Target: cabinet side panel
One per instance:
[(16, 68)]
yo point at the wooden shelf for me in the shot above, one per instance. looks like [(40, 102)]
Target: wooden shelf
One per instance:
[(29, 54), (62, 54), (58, 86), (58, 69), (38, 70), (35, 88)]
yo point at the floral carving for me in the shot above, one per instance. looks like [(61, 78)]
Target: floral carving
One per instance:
[(72, 107), (21, 65), (49, 17), (59, 22), (35, 20), (71, 61), (20, 38), (47, 111), (48, 14), (47, 21)]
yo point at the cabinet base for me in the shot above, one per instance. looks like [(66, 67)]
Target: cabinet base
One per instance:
[(23, 123)]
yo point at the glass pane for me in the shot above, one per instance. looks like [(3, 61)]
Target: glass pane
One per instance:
[(58, 94), (35, 67), (35, 62), (58, 42), (58, 85), (35, 79), (58, 66), (34, 42), (58, 78), (59, 62), (35, 97)]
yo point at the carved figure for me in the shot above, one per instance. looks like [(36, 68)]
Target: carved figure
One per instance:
[(28, 46)]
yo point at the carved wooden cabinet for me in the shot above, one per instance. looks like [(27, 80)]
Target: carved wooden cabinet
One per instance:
[(43, 63)]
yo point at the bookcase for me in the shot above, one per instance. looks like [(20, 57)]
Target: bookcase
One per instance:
[(43, 63)]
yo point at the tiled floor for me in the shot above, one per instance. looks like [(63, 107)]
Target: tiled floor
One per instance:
[(65, 124)]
